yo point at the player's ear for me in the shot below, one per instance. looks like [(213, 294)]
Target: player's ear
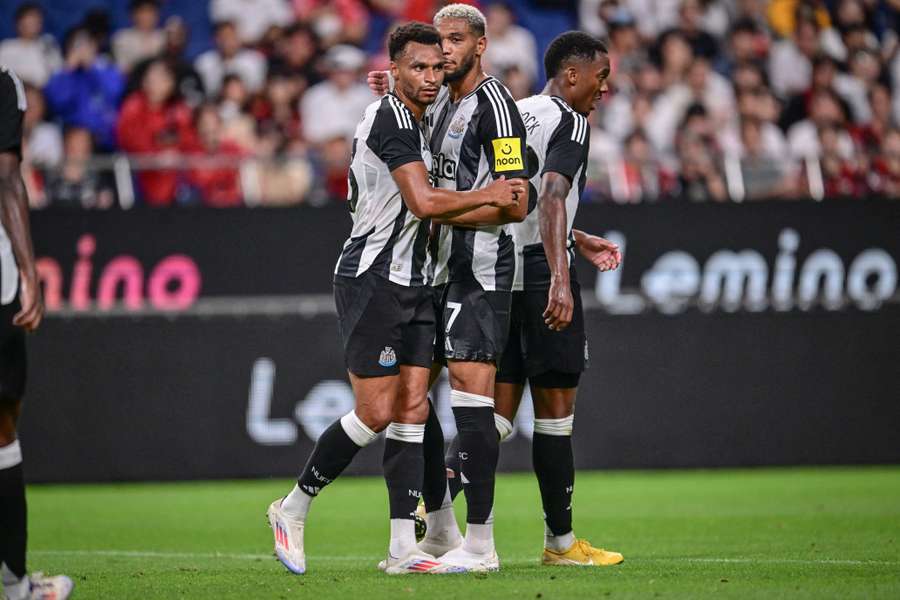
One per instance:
[(481, 46), (572, 75), (394, 70)]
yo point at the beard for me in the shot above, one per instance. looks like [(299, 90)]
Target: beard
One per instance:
[(461, 71)]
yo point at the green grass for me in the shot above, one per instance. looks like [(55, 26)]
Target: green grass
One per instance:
[(793, 533)]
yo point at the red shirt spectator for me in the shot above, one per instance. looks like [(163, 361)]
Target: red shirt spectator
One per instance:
[(218, 183), (154, 123)]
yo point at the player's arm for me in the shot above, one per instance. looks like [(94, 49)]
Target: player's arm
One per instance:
[(491, 215), (566, 155), (426, 201), (553, 221), (14, 202)]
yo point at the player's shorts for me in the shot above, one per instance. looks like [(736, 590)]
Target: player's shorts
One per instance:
[(475, 322), (13, 359), (437, 298), (383, 324), (551, 359)]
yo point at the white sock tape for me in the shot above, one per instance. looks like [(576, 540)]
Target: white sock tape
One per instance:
[(504, 427), (10, 455), (356, 430), (554, 426), (412, 433), (460, 399)]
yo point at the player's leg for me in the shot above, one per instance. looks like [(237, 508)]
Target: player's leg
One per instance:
[(12, 504), (371, 331)]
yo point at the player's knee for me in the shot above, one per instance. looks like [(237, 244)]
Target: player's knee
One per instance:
[(376, 418)]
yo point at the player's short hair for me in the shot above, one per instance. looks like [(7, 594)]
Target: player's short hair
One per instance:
[(136, 4), (421, 33), (471, 15), (571, 45)]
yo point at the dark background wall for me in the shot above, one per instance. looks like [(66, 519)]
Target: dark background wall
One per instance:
[(732, 335)]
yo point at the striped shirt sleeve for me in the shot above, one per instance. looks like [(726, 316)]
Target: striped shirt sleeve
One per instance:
[(567, 148), (395, 136), (502, 132)]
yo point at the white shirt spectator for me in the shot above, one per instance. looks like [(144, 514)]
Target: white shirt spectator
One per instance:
[(44, 146), (252, 17), (790, 72), (130, 46), (803, 141), (328, 112), (34, 61), (774, 144), (654, 16), (516, 47), (249, 65)]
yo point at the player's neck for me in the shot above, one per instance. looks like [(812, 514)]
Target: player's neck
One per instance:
[(466, 85), (554, 89), (415, 108)]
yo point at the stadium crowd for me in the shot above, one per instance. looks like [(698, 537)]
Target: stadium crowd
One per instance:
[(710, 99)]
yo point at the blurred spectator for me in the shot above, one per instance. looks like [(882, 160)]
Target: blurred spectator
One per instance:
[(296, 53), (229, 58), (238, 125), (886, 168), (187, 80), (336, 21), (520, 85), (77, 184), (826, 112), (764, 173), (872, 134), (626, 52), (156, 125), (700, 177), (32, 56), (690, 26), (841, 170), (252, 17), (331, 109), (144, 40), (654, 16), (790, 62), (746, 45), (824, 77), (217, 185), (43, 139), (510, 45), (87, 91), (785, 15), (276, 111)]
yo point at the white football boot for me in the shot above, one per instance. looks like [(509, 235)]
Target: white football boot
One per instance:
[(56, 587), (288, 539), (476, 563), (417, 562)]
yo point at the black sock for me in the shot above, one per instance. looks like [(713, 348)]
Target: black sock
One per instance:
[(452, 461), (555, 469), (479, 449), (434, 483), (403, 466), (333, 452), (13, 519)]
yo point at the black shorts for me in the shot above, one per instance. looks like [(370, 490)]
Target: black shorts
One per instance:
[(13, 359), (475, 322), (437, 297), (536, 351), (383, 324)]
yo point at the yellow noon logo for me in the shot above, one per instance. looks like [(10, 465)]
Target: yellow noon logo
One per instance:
[(508, 154)]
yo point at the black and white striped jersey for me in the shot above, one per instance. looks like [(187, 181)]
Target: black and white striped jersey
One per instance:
[(474, 141), (387, 238), (12, 112), (558, 140)]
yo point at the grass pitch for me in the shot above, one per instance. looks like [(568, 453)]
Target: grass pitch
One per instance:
[(793, 533)]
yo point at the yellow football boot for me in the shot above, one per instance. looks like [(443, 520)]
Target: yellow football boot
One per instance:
[(581, 554)]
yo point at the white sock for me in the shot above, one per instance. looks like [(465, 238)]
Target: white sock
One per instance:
[(558, 543), (479, 538), (13, 587), (296, 504), (403, 537), (442, 525)]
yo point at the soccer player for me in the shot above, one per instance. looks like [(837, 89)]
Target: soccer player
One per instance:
[(384, 304), (21, 310), (547, 343)]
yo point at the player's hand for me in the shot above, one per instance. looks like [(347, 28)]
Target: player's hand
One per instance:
[(560, 305), (601, 252), (378, 82), (29, 318), (506, 192)]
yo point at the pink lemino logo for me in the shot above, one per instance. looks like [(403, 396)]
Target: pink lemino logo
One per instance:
[(173, 283)]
